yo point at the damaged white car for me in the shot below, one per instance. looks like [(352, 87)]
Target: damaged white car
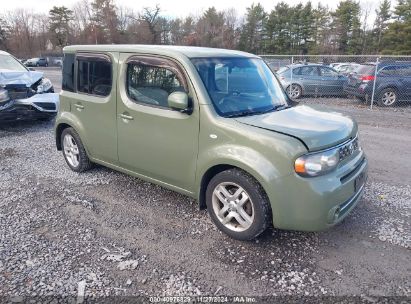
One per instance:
[(24, 94)]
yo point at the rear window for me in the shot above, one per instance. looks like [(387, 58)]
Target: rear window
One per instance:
[(366, 69), (94, 75), (68, 72)]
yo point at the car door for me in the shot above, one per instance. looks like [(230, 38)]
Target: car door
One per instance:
[(94, 104), (404, 89), (331, 82), (308, 77), (153, 139)]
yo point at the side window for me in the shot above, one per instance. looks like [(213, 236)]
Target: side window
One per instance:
[(328, 72), (309, 71), (94, 76), (404, 70), (297, 71), (151, 84), (68, 72), (388, 71)]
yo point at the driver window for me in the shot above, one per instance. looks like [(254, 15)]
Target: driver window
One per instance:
[(151, 84)]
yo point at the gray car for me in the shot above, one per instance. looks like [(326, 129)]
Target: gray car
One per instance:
[(311, 79)]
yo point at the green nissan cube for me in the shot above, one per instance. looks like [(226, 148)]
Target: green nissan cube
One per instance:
[(214, 125)]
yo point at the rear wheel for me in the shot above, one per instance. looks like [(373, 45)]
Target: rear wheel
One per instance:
[(294, 91), (387, 98), (238, 205), (74, 152)]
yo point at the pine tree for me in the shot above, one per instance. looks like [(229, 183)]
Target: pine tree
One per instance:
[(251, 36), (381, 22), (397, 38), (347, 25), (60, 17)]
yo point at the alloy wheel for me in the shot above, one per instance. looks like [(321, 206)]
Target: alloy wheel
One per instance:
[(233, 206), (389, 98), (294, 91), (71, 151)]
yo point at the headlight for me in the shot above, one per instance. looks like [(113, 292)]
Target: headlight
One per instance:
[(44, 85), (4, 95), (317, 163)]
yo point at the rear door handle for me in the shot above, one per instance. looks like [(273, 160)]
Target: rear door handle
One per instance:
[(79, 106), (126, 117)]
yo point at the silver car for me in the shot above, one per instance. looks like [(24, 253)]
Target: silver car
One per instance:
[(24, 94), (311, 79)]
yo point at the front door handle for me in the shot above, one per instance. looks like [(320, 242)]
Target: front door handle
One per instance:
[(126, 117)]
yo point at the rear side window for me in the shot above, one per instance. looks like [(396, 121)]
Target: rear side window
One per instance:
[(94, 75), (152, 84), (404, 70), (307, 71), (68, 72)]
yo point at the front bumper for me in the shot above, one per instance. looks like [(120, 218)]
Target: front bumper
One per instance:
[(36, 107), (317, 203)]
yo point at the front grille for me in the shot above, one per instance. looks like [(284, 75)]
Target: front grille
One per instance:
[(348, 149), (46, 105)]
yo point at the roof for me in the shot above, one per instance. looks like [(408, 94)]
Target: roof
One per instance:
[(171, 50)]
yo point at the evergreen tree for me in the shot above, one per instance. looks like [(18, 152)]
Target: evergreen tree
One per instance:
[(397, 38), (60, 17), (105, 21), (347, 27), (251, 36), (381, 22)]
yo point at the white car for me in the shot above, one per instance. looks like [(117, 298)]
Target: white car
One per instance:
[(24, 94)]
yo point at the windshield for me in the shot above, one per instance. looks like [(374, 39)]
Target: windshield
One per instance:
[(240, 86), (10, 63)]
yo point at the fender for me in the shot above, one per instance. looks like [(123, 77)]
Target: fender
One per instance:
[(69, 119)]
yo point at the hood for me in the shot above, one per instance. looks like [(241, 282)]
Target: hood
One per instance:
[(13, 77), (317, 129)]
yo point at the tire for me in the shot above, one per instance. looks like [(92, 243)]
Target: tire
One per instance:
[(244, 213), (387, 98), (37, 64), (294, 91), (74, 152)]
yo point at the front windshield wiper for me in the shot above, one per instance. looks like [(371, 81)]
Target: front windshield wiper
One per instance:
[(250, 113)]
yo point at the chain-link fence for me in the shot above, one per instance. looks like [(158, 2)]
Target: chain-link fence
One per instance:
[(373, 80)]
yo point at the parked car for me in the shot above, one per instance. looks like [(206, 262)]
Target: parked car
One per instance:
[(251, 159), (24, 94), (36, 62), (392, 85), (347, 68), (311, 79)]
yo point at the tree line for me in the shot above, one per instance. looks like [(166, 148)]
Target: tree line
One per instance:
[(286, 29)]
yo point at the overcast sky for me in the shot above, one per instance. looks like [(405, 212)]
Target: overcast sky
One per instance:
[(176, 8)]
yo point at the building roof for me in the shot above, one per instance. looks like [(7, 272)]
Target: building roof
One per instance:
[(172, 50)]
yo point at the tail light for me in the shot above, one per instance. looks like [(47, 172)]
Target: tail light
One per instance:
[(366, 78)]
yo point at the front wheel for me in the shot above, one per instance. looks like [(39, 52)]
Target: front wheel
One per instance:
[(238, 205), (294, 91), (74, 152)]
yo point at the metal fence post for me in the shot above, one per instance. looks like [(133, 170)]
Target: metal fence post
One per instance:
[(291, 84), (375, 80)]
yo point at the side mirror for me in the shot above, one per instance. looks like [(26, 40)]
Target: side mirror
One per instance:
[(179, 101)]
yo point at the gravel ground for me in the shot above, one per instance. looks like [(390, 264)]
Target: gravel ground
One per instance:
[(103, 233)]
